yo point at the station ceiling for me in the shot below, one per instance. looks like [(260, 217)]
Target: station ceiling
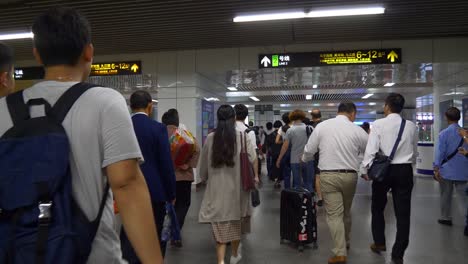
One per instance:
[(124, 26)]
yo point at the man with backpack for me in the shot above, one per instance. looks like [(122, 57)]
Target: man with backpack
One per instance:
[(63, 144)]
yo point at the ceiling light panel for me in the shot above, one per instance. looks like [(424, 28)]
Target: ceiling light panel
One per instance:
[(347, 12), (268, 17), (255, 99), (26, 35)]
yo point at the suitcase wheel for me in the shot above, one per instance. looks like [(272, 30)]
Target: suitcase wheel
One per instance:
[(301, 248)]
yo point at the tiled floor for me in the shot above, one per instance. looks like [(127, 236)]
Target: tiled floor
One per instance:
[(430, 243)]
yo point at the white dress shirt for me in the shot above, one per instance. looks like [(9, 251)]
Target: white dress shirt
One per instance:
[(339, 142), (240, 126), (382, 138)]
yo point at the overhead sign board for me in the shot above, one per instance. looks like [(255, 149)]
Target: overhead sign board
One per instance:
[(116, 68), (97, 69), (29, 73), (330, 58)]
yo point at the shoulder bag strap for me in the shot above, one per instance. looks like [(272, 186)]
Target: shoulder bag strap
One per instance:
[(400, 133), (67, 100), (449, 157), (19, 111)]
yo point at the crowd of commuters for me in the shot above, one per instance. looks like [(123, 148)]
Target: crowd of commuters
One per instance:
[(133, 155)]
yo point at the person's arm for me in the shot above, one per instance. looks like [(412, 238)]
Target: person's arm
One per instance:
[(440, 152), (279, 137), (372, 148), (164, 159), (311, 147), (415, 146), (284, 149), (203, 162), (133, 199), (251, 152), (195, 157), (464, 134)]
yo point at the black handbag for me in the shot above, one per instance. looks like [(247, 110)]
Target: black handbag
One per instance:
[(381, 164), (255, 195)]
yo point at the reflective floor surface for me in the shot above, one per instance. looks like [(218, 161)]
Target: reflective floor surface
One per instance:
[(430, 243)]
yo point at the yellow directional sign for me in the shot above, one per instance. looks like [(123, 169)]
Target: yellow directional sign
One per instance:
[(116, 68), (392, 56)]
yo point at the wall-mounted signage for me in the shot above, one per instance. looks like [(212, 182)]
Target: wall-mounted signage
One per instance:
[(29, 73), (330, 58), (116, 68)]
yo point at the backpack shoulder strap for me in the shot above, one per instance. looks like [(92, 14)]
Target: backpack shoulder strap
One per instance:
[(67, 100), (19, 111)]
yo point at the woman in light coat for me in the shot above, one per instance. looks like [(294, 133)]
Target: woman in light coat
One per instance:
[(226, 206)]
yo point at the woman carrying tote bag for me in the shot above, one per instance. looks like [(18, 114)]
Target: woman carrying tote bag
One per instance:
[(226, 206)]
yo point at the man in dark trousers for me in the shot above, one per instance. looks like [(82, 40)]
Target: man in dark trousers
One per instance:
[(383, 137), (158, 168)]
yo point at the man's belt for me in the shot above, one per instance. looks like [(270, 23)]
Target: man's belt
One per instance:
[(339, 171)]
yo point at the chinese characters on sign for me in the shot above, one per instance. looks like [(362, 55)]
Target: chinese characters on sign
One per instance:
[(313, 59), (116, 68)]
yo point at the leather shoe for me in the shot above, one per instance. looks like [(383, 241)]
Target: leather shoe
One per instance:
[(466, 230), (445, 222), (378, 248), (397, 260), (337, 260)]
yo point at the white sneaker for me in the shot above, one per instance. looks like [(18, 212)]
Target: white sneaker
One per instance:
[(235, 260)]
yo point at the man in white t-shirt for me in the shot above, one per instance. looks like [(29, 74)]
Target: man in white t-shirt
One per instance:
[(103, 144), (241, 114)]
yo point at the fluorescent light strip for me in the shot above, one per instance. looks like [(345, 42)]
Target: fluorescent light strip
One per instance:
[(312, 14), (308, 97), (389, 84), (255, 99), (267, 17), (315, 86), (347, 12), (16, 36), (232, 89), (367, 96)]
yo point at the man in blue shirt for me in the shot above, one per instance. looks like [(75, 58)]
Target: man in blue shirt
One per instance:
[(464, 133), (450, 167), (158, 167)]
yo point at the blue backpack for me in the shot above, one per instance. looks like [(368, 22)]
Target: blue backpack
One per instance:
[(40, 221)]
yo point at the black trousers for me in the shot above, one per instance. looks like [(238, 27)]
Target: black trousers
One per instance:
[(400, 181), (183, 200), (128, 253)]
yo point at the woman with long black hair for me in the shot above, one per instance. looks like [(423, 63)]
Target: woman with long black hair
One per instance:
[(226, 206)]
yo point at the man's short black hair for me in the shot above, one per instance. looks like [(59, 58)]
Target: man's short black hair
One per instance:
[(347, 107), (241, 112), (269, 125), (277, 124), (60, 36), (171, 117), (6, 58), (316, 114), (453, 114), (396, 102), (285, 118), (140, 100)]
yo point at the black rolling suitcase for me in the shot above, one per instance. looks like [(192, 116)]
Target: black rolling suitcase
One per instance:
[(298, 221)]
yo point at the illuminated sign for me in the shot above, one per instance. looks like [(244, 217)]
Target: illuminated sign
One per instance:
[(29, 73), (116, 68), (330, 58)]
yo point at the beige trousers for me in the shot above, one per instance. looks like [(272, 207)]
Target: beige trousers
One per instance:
[(338, 191)]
